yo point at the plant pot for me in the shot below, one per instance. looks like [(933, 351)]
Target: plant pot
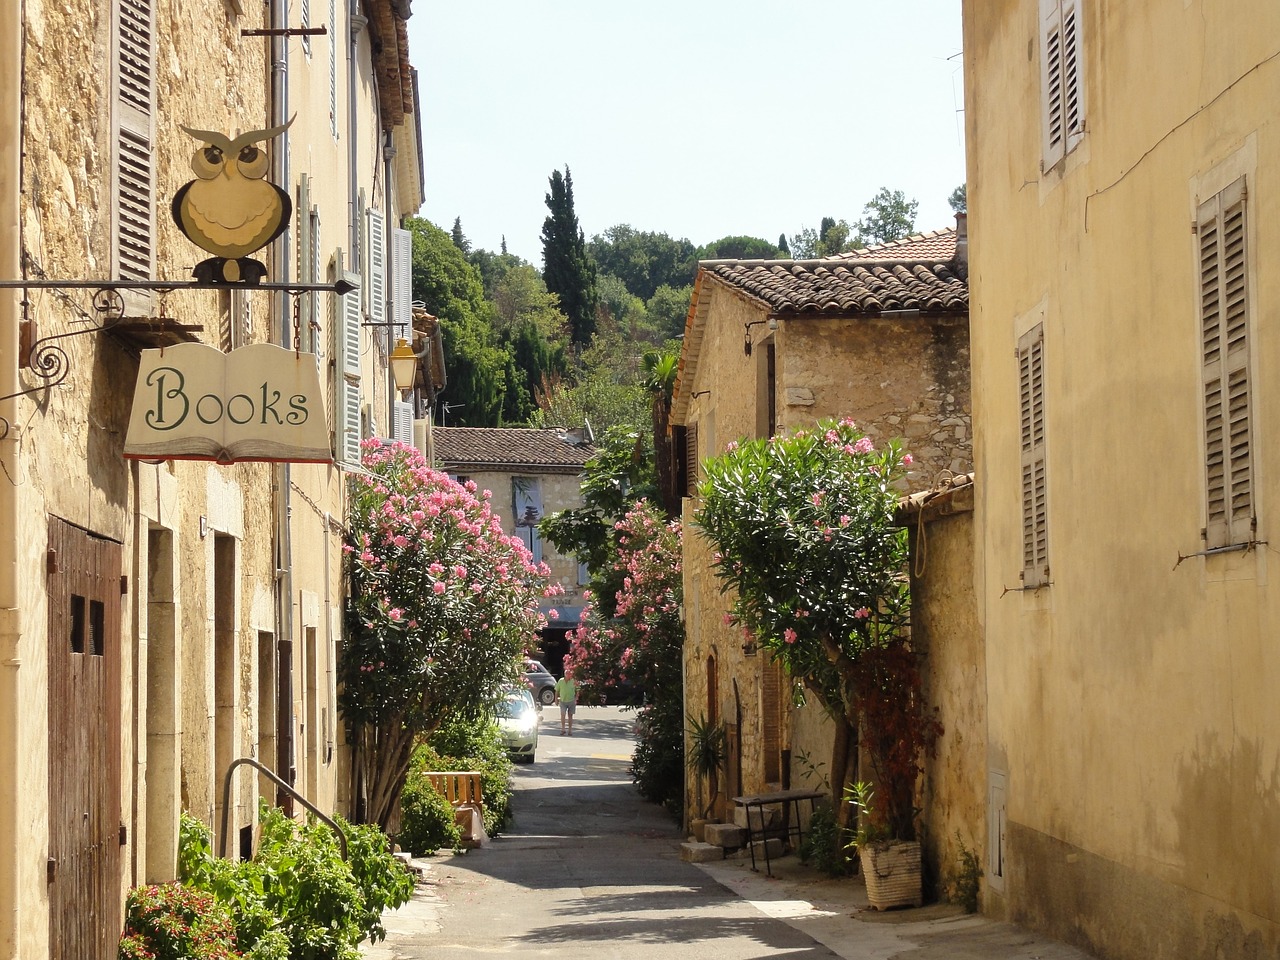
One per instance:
[(892, 873), (699, 828)]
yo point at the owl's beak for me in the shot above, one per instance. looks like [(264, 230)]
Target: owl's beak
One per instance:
[(230, 169)]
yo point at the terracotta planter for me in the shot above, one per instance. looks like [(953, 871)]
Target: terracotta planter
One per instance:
[(892, 873), (699, 827)]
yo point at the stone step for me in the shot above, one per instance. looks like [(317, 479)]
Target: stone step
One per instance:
[(695, 852), (727, 835)]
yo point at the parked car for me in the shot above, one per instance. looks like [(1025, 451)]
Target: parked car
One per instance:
[(518, 722), (540, 682)]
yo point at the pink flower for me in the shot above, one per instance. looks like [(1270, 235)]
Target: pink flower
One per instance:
[(908, 459), (789, 635), (845, 519), (438, 587), (862, 613), (553, 614), (395, 613), (731, 446), (864, 445)]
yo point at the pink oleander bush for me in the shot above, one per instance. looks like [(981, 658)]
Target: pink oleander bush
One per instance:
[(640, 647), (442, 607)]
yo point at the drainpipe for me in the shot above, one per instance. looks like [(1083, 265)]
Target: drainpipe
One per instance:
[(388, 258), (353, 154), (286, 763), (12, 831)]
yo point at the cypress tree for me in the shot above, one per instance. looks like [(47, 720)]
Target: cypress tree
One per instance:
[(567, 270), (459, 240), (782, 245)]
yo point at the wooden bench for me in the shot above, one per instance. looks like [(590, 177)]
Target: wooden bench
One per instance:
[(463, 789)]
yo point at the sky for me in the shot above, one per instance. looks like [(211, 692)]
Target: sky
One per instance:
[(695, 118)]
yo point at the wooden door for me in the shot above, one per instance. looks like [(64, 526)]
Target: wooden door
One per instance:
[(85, 832)]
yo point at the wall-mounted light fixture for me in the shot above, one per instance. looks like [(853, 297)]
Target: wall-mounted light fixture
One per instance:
[(746, 343), (700, 393), (404, 365)]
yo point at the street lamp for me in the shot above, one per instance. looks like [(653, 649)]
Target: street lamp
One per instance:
[(404, 364)]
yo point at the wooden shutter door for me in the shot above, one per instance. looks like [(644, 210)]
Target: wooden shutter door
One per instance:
[(1053, 130), (84, 743)]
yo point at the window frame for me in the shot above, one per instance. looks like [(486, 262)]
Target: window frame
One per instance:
[(1033, 457), (1062, 100), (1227, 417)]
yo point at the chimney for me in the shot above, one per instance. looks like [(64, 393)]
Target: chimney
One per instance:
[(962, 238)]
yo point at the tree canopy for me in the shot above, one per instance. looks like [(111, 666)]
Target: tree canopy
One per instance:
[(568, 270)]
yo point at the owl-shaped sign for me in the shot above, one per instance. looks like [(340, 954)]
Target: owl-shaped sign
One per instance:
[(230, 210)]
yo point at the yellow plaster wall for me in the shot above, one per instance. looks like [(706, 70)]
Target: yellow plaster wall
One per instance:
[(1132, 702)]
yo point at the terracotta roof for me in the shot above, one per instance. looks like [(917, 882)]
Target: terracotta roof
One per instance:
[(845, 287), (936, 245), (391, 60), (951, 494), (503, 449)]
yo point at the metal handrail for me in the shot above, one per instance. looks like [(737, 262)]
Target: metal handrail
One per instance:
[(226, 803)]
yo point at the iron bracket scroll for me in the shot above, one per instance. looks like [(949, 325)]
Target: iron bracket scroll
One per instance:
[(49, 362)]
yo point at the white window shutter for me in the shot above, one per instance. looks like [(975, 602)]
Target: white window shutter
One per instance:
[(402, 422), (312, 317), (333, 68), (306, 23), (375, 258), (1072, 80), (1053, 121), (349, 332), (306, 261), (349, 430), (402, 280)]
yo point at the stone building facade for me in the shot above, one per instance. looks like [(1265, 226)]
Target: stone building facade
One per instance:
[(161, 619), (774, 346), (529, 474), (1124, 180)]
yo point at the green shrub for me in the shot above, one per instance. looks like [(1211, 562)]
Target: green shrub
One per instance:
[(174, 922), (427, 823), (298, 898), (966, 884), (821, 845), (657, 764)]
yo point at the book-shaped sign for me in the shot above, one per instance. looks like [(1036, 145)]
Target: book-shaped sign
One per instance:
[(260, 402)]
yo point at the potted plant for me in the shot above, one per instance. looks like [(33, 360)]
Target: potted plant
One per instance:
[(707, 752), (890, 867), (896, 732)]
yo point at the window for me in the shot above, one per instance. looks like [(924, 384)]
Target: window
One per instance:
[(526, 506), (1062, 95), (1224, 343), (1035, 511), (133, 185), (691, 459)]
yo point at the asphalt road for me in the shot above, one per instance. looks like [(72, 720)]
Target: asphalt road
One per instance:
[(587, 870)]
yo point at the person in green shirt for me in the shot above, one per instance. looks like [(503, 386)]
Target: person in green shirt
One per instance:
[(567, 696)]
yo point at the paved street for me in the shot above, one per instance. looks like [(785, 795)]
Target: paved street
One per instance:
[(589, 870)]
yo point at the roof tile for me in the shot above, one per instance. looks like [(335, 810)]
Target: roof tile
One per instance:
[(504, 448)]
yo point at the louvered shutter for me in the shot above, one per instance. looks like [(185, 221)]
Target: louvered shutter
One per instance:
[(691, 459), (333, 68), (134, 182), (350, 431), (402, 280), (1035, 509), (375, 259), (349, 329), (1072, 79), (306, 24), (1061, 78), (306, 261), (402, 422), (312, 316), (1224, 323)]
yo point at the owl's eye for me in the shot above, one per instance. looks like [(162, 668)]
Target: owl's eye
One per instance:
[(207, 163), (253, 162)]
